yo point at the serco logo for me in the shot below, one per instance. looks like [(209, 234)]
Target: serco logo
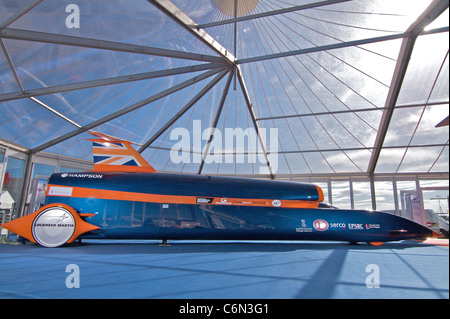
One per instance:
[(320, 225)]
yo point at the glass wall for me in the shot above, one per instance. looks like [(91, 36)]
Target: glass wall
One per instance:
[(341, 194), (362, 198), (43, 170), (38, 187), (384, 193), (436, 197), (12, 183), (64, 169), (389, 194)]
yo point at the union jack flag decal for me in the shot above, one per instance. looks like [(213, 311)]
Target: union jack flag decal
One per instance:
[(112, 154)]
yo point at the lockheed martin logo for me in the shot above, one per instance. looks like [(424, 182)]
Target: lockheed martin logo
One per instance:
[(58, 223)]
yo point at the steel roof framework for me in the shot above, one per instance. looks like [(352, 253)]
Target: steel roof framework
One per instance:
[(215, 65)]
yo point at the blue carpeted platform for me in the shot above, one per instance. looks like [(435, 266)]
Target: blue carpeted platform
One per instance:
[(250, 270)]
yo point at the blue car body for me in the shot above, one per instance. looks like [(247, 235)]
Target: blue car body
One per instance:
[(213, 216)]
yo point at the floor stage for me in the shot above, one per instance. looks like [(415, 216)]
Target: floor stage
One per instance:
[(226, 270)]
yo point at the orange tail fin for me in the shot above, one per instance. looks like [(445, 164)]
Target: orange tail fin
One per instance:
[(114, 155)]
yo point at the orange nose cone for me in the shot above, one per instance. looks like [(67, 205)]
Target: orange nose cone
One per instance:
[(22, 226)]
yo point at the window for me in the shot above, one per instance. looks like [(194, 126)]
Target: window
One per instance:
[(384, 192), (42, 170), (341, 194), (362, 197), (12, 183), (2, 154)]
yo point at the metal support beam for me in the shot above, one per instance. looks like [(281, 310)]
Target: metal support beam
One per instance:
[(271, 13), (253, 117), (352, 194), (180, 113), (216, 120), (172, 11), (44, 37), (108, 81), (322, 48), (55, 112), (373, 195), (126, 110), (396, 202), (330, 191), (11, 66), (436, 8), (373, 109), (347, 149)]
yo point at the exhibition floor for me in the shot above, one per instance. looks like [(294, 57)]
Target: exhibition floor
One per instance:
[(223, 270)]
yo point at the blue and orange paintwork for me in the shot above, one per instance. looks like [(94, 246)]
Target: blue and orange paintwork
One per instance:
[(133, 201)]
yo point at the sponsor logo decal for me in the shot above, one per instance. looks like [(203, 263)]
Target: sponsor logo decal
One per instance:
[(60, 191), (276, 203), (59, 222), (82, 175), (320, 225), (303, 228), (372, 226), (224, 201), (338, 225), (53, 227), (355, 226), (204, 200)]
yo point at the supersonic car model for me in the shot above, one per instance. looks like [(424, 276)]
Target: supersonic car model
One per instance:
[(126, 198)]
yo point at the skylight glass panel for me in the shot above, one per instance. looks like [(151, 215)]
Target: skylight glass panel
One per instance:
[(420, 159), (426, 131), (40, 65), (441, 163), (428, 60), (77, 147), (134, 22), (389, 159), (8, 8), (27, 123), (7, 79)]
